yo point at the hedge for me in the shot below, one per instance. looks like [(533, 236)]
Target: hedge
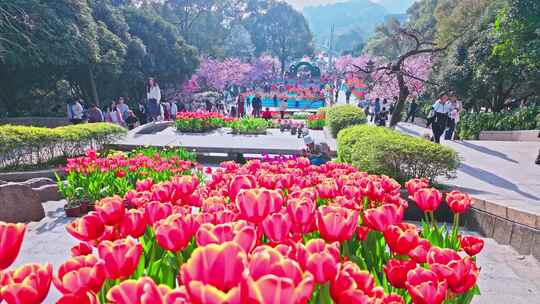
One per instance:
[(383, 151), (471, 124), (341, 117), (26, 145)]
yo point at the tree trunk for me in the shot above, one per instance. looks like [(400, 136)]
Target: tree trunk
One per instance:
[(93, 88), (403, 94)]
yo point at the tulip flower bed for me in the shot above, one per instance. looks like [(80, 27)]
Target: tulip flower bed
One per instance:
[(316, 122), (90, 178), (195, 122), (280, 232), (249, 125)]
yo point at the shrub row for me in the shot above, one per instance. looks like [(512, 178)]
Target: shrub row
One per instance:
[(25, 145), (386, 152), (471, 124), (341, 117)]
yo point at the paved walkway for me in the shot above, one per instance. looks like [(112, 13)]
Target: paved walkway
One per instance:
[(506, 276), (495, 171)]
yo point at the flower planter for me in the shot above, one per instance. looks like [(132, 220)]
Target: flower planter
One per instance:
[(73, 211)]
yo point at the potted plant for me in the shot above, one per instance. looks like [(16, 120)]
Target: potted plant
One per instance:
[(73, 209)]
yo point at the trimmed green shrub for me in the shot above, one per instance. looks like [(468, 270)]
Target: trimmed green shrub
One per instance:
[(341, 117), (383, 151), (32, 145), (471, 124)]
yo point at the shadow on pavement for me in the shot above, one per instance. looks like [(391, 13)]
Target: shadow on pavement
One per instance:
[(495, 180), (59, 217), (485, 150)]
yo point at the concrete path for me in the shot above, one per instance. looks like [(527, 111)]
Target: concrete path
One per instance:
[(506, 276), (495, 171)]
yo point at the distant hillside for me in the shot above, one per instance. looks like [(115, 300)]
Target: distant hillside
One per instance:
[(395, 6), (359, 16)]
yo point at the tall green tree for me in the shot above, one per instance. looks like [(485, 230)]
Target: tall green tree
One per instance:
[(283, 32)]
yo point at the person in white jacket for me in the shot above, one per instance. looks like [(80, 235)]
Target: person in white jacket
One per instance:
[(153, 96)]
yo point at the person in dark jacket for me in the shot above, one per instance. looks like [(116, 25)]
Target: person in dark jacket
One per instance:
[(257, 106), (413, 108)]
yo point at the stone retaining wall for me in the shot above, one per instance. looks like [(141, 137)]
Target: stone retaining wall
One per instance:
[(524, 135), (47, 122)]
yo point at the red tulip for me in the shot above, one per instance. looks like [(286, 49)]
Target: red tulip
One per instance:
[(144, 185), (390, 185), (214, 271), (383, 216), (156, 211), (276, 227), (143, 291), (277, 201), (396, 271), (362, 233), (275, 289), (401, 238), (471, 245), (185, 185), (392, 299), (120, 173), (29, 283), (239, 232), (80, 274), (86, 298), (121, 257), (327, 189), (419, 253), (463, 276), (319, 258), (302, 214), (110, 210), (11, 237), (254, 204), (427, 199), (336, 223), (350, 277), (133, 223), (175, 232), (425, 287), (87, 228), (371, 189), (81, 249), (459, 202), (416, 184), (240, 182)]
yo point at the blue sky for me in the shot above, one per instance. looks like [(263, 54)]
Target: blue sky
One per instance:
[(301, 3)]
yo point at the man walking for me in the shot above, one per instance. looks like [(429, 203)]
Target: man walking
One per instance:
[(441, 109)]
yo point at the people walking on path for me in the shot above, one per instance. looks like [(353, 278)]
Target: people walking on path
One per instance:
[(453, 118), (374, 109), (123, 108), (153, 97), (257, 105), (413, 109), (240, 106), (441, 109), (348, 94), (94, 114), (75, 111), (284, 104)]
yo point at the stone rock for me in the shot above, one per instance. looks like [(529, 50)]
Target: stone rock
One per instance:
[(19, 203), (48, 193), (38, 182)]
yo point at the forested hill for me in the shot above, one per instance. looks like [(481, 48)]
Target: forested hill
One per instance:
[(355, 19)]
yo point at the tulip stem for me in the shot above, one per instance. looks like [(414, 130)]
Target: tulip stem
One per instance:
[(324, 294)]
